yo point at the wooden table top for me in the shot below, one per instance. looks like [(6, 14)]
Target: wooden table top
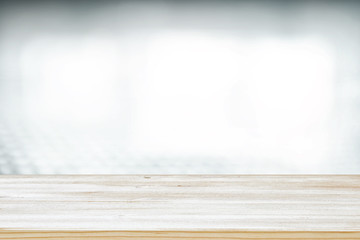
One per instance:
[(180, 207)]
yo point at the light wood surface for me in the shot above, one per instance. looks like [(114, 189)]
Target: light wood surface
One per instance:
[(180, 207)]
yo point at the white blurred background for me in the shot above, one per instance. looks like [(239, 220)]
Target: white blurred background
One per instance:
[(179, 87)]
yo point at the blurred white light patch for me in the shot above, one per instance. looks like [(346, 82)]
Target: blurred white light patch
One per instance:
[(200, 94), (71, 79), (211, 95)]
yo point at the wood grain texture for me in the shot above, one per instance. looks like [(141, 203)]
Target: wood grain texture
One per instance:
[(180, 207)]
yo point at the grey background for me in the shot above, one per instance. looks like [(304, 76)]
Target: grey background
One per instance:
[(79, 93)]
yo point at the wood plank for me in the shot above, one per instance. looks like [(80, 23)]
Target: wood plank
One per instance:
[(180, 207)]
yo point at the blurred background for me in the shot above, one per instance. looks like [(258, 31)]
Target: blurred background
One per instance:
[(177, 87)]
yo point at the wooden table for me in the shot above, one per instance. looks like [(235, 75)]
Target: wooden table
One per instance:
[(180, 207)]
